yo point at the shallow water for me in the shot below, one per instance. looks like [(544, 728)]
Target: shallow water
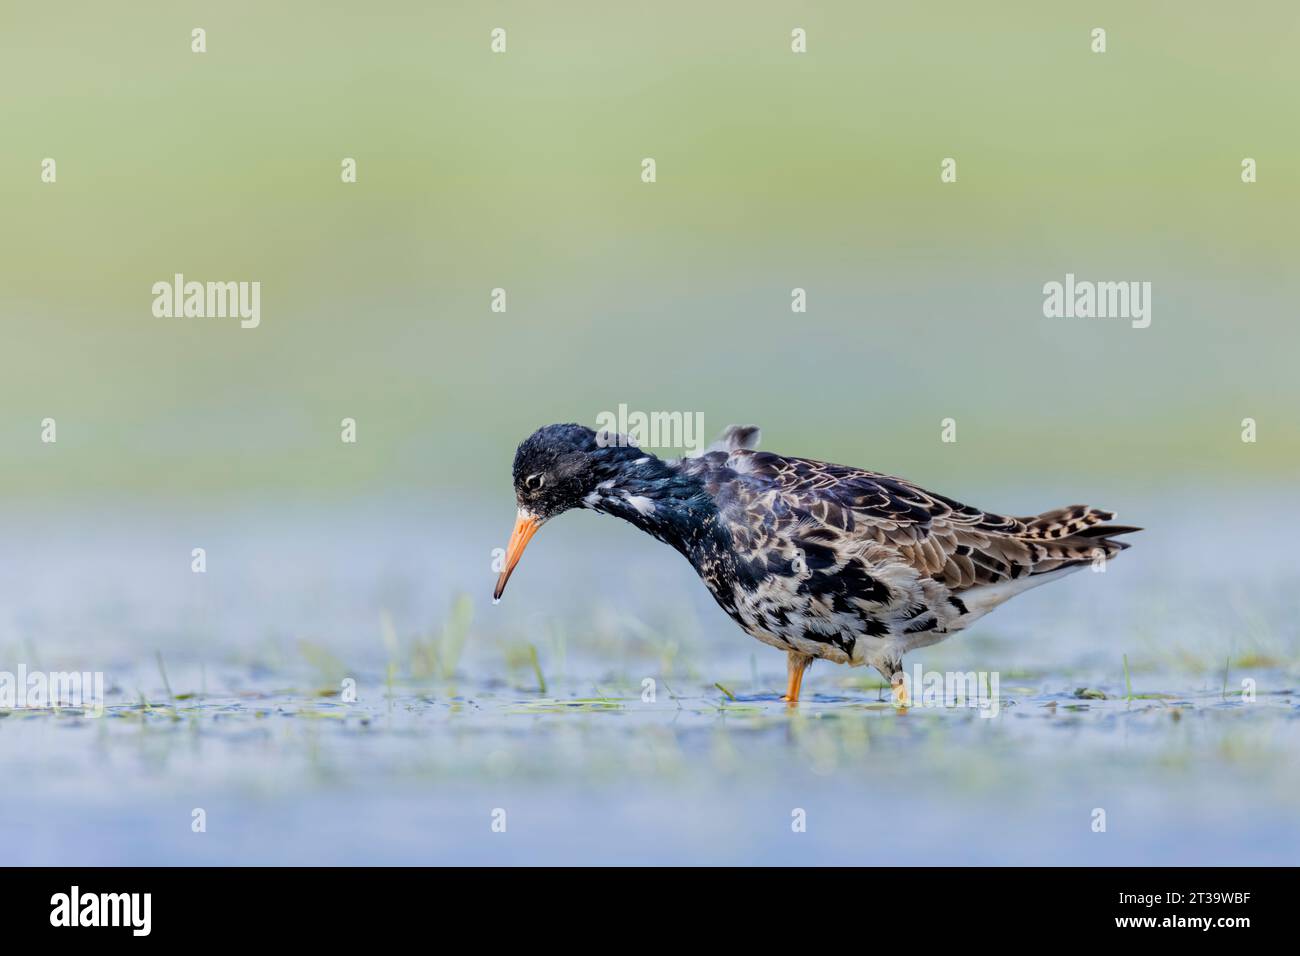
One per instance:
[(225, 692)]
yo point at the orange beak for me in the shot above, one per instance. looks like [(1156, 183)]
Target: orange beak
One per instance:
[(526, 526)]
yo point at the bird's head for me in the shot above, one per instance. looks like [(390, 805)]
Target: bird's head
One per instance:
[(560, 467), (555, 468)]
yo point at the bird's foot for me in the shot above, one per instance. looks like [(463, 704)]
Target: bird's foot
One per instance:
[(898, 689), (795, 666)]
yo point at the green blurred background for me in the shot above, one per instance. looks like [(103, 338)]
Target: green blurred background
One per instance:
[(521, 171)]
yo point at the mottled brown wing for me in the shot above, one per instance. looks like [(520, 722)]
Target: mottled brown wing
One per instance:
[(957, 544)]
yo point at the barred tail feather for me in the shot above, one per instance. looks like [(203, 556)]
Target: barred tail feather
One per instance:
[(1074, 536)]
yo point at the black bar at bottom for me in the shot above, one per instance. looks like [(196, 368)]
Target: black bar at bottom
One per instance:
[(602, 907)]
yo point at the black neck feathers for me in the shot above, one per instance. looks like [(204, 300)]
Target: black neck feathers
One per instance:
[(658, 497)]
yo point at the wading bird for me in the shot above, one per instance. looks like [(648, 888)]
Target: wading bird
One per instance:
[(817, 560)]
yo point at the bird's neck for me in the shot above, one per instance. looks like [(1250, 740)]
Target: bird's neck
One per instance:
[(658, 497)]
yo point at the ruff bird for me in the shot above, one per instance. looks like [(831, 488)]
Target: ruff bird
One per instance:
[(817, 560)]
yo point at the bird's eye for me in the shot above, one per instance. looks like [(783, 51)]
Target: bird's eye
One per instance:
[(534, 482)]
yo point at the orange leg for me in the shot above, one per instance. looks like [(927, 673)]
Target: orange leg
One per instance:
[(796, 664), (898, 688)]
